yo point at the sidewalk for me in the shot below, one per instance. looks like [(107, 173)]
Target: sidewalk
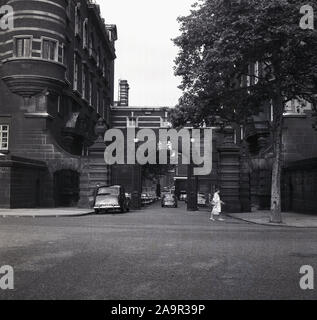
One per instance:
[(46, 213), (290, 219)]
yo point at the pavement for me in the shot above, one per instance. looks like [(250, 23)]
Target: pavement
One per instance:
[(48, 213), (156, 253), (290, 219)]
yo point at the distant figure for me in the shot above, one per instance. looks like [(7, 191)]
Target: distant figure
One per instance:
[(216, 207)]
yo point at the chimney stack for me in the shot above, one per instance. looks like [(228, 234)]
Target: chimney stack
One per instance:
[(123, 93)]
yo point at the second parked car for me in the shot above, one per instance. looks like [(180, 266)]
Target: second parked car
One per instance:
[(169, 200)]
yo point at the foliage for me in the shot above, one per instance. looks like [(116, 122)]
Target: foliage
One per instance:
[(218, 41)]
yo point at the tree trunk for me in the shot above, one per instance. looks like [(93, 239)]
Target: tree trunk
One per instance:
[(276, 206)]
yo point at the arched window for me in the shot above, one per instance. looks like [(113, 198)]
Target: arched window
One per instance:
[(85, 34), (91, 44), (77, 20)]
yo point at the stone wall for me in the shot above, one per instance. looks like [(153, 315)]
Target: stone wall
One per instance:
[(22, 182), (299, 138), (299, 187)]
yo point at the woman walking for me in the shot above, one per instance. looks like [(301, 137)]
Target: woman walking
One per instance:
[(216, 210)]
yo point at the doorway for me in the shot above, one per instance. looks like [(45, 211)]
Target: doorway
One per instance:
[(66, 188)]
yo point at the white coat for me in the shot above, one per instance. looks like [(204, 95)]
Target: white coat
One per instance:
[(216, 205)]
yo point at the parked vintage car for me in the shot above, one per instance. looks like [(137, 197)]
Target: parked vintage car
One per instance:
[(111, 198), (169, 200), (145, 199)]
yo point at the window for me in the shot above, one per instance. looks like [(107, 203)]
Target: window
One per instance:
[(59, 104), (98, 58), (84, 75), (50, 49), (77, 20), (256, 72), (241, 133), (68, 9), (76, 72), (271, 111), (4, 137), (98, 101), (85, 34), (91, 45), (104, 68), (90, 89), (64, 59), (23, 47), (296, 106), (249, 76), (104, 109)]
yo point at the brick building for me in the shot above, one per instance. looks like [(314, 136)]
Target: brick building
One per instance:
[(124, 117), (56, 90), (299, 181)]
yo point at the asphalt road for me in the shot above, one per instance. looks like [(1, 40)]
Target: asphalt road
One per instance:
[(154, 254)]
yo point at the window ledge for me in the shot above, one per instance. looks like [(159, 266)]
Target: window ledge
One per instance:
[(43, 115), (34, 59), (294, 115)]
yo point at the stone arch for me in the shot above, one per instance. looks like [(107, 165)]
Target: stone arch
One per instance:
[(73, 164)]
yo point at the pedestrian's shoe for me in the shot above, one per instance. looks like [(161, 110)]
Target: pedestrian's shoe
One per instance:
[(220, 219), (212, 219)]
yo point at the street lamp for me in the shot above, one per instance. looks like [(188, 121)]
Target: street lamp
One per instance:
[(192, 183)]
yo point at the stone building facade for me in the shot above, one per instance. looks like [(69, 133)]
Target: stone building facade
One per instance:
[(227, 171), (124, 117), (56, 91), (299, 154)]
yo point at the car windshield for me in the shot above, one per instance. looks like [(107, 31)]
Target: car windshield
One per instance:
[(108, 191), (169, 197)]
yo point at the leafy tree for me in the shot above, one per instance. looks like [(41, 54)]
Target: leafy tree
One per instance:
[(219, 41)]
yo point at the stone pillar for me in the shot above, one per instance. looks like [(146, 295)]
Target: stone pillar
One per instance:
[(229, 171), (94, 169), (192, 189)]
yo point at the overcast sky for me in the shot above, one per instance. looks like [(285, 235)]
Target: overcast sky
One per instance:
[(145, 52)]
